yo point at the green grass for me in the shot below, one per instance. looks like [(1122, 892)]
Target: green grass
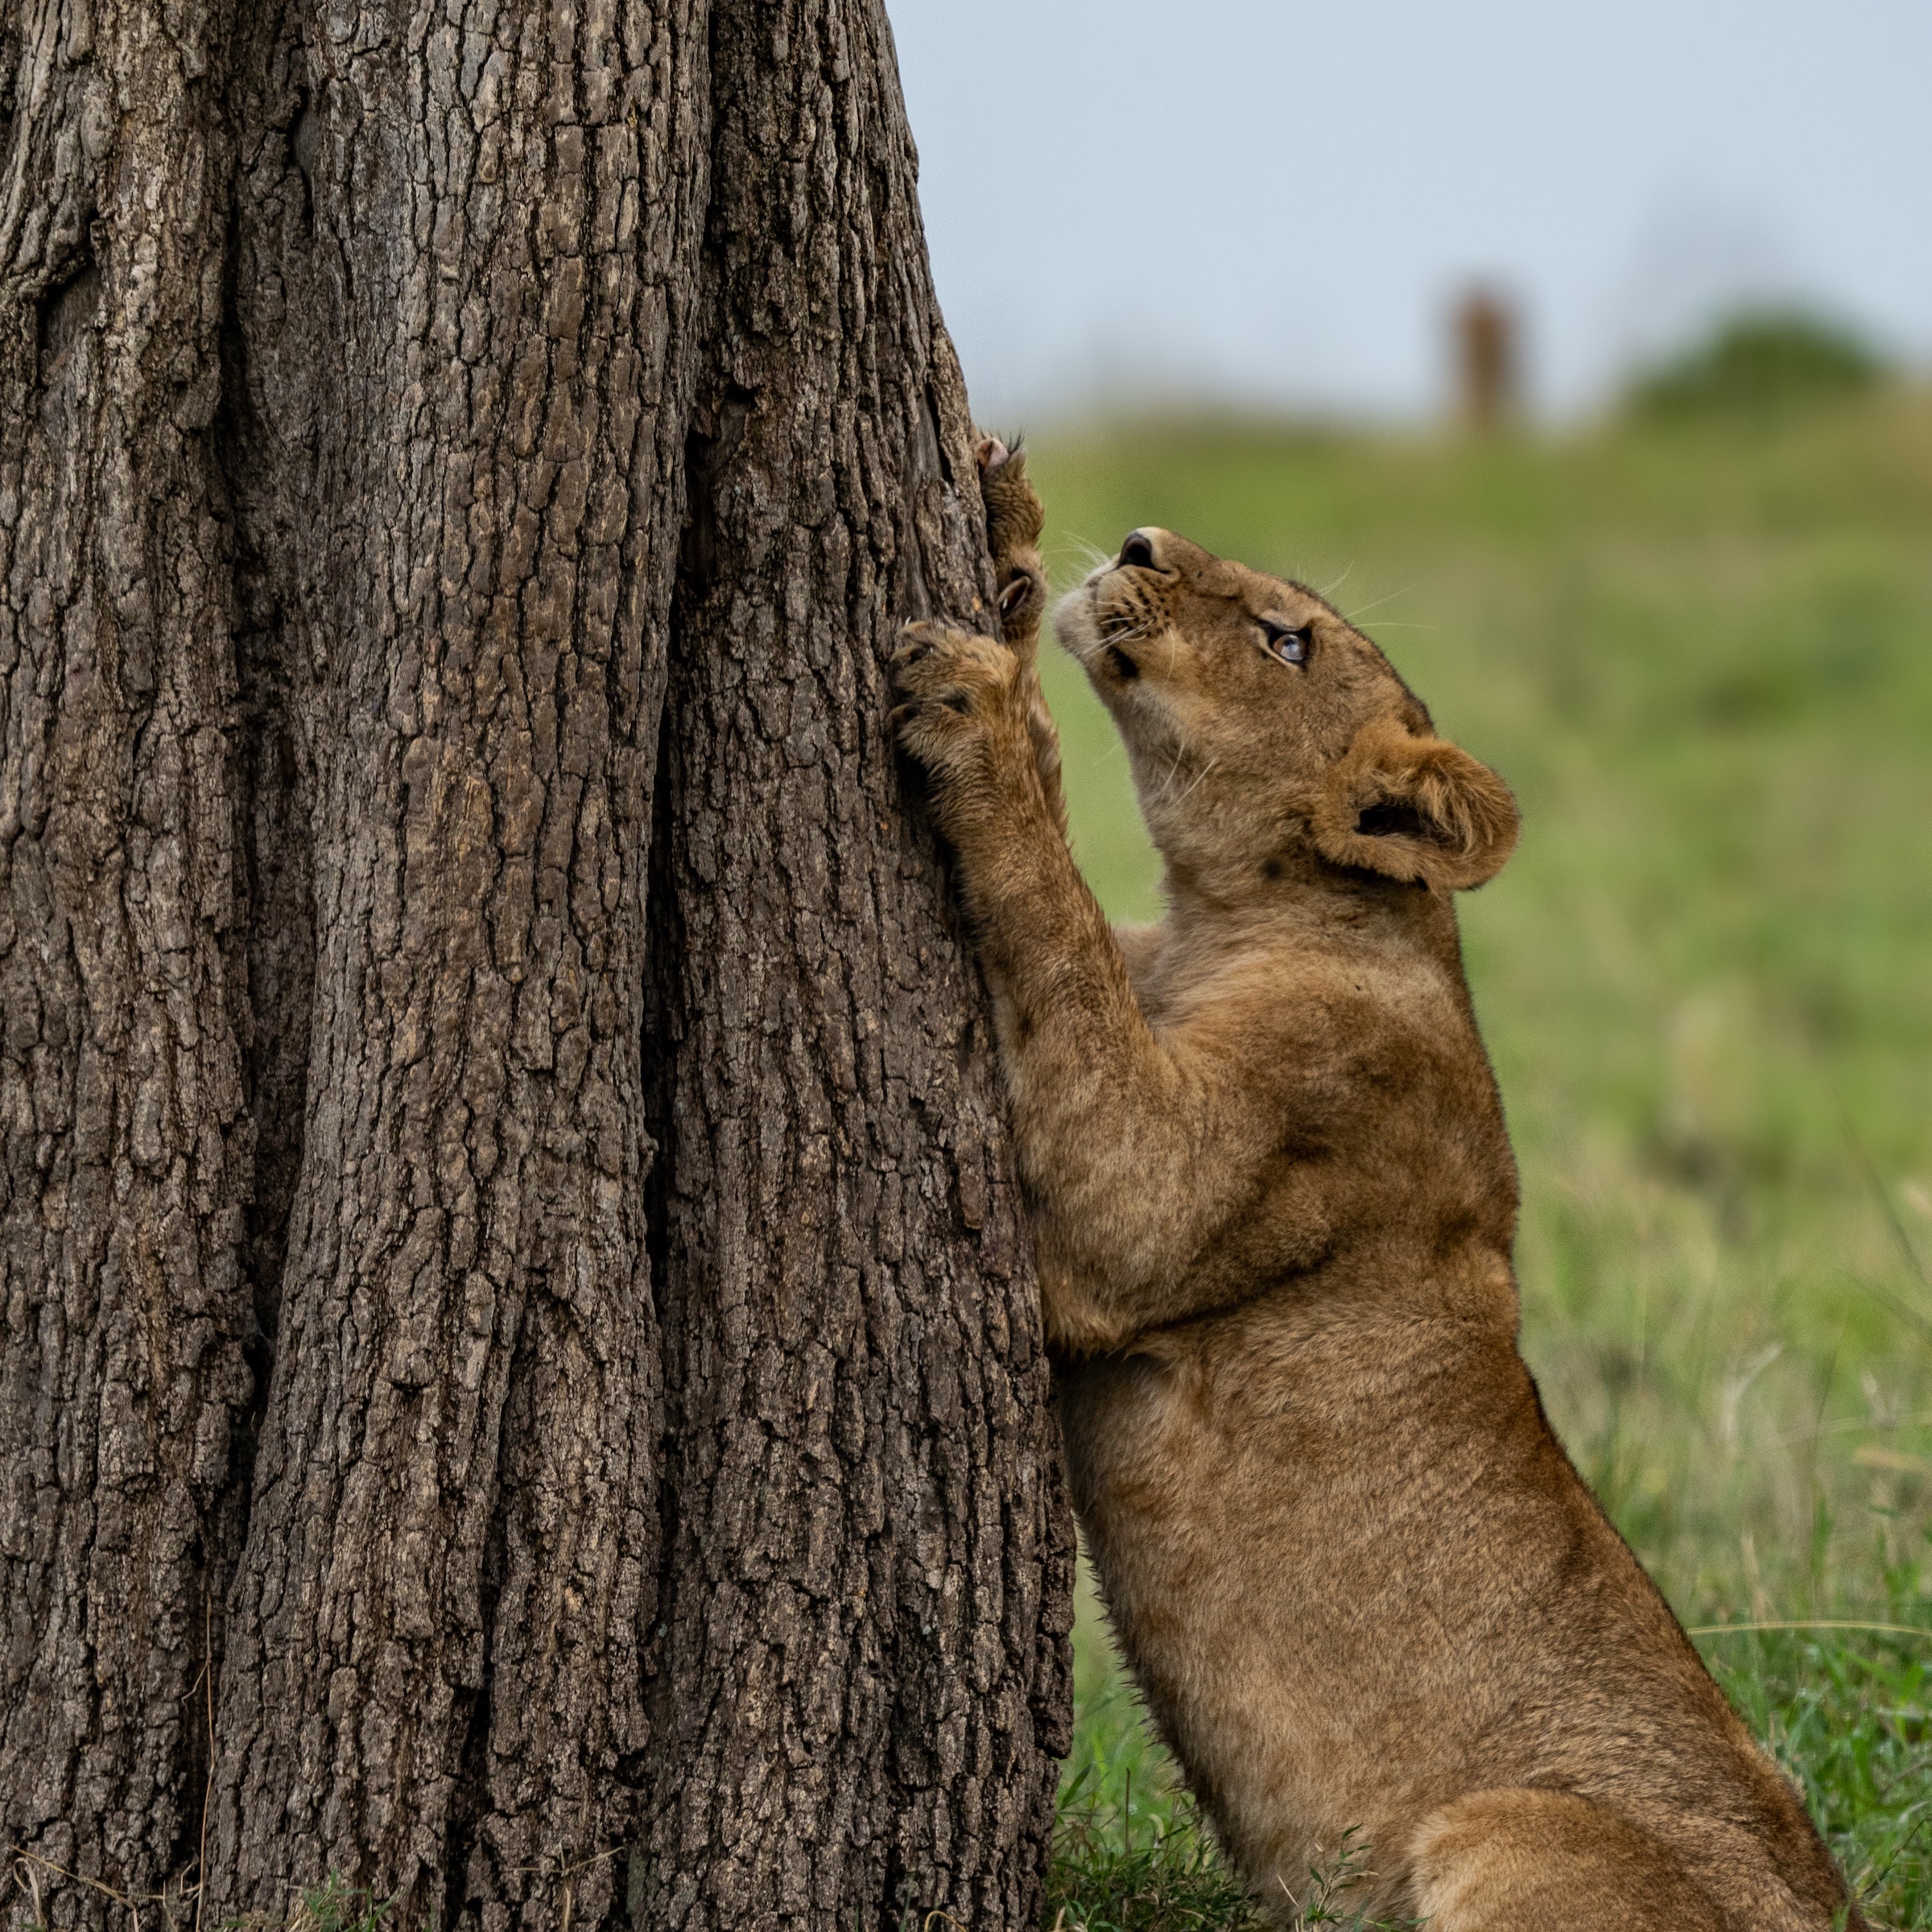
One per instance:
[(1703, 656)]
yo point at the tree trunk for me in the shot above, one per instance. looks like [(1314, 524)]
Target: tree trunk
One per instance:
[(864, 1528), (522, 1383)]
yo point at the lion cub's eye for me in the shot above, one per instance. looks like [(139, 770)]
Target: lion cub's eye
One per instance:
[(1293, 644)]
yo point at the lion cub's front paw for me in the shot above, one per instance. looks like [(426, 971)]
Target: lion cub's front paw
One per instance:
[(1014, 520), (964, 706)]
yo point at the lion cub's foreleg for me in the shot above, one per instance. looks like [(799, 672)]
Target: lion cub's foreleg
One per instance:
[(1066, 1014), (1116, 1134), (1014, 520)]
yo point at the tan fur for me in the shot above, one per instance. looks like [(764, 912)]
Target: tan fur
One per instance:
[(1274, 1204)]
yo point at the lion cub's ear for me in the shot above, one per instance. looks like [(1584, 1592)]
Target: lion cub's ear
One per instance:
[(1415, 808)]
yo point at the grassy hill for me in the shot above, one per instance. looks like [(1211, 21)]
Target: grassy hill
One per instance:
[(1701, 655)]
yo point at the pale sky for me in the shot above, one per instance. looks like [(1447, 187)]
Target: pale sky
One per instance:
[(1273, 199)]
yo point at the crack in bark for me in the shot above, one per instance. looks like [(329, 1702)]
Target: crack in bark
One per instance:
[(67, 307)]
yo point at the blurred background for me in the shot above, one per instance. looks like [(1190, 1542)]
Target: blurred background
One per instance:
[(1581, 355)]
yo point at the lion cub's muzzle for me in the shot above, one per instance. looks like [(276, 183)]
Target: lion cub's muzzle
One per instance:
[(1125, 615)]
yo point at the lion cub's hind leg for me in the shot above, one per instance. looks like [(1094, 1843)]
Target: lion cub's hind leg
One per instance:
[(1014, 520), (1547, 1861)]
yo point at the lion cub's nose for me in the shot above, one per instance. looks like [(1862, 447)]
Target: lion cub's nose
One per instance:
[(1137, 550)]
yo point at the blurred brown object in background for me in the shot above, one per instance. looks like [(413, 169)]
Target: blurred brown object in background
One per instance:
[(1487, 361)]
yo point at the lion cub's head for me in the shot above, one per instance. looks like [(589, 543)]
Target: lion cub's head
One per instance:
[(1259, 721)]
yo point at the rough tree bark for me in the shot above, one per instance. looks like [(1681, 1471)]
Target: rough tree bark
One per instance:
[(857, 1455), (522, 1387), (128, 1162)]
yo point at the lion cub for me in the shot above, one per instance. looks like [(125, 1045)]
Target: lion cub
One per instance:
[(1273, 1201)]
